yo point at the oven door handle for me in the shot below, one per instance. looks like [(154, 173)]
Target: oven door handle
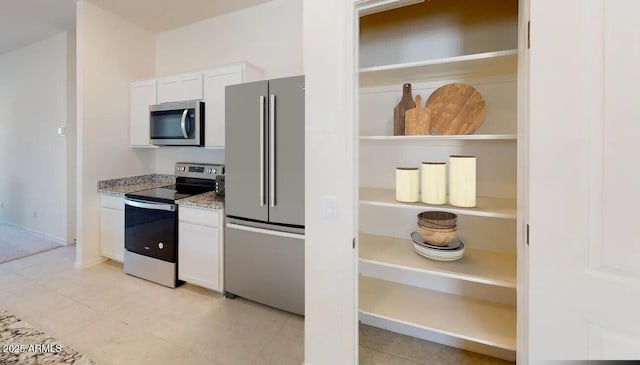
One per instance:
[(146, 205)]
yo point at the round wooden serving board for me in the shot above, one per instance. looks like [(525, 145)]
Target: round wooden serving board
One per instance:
[(456, 109)]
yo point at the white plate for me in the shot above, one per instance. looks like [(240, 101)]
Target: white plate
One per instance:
[(453, 245), (439, 255)]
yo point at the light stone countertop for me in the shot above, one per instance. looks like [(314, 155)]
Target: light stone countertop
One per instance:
[(125, 185), (121, 186), (208, 200)]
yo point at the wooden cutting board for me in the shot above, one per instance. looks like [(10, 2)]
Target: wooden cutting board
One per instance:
[(417, 121), (456, 109), (399, 111)]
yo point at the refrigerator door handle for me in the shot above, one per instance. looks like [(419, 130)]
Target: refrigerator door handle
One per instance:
[(262, 201), (272, 149), (265, 231)]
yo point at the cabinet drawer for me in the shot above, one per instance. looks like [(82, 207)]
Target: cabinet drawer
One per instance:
[(113, 202), (205, 217)]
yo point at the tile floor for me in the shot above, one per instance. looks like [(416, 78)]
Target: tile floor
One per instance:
[(117, 319)]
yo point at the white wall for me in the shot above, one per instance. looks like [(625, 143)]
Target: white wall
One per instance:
[(330, 157), (268, 35), (111, 53), (37, 184)]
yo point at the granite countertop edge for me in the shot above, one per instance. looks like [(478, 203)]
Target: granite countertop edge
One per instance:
[(121, 186), (209, 200)]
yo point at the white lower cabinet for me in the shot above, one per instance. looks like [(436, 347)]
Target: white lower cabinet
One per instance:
[(112, 227), (200, 247)]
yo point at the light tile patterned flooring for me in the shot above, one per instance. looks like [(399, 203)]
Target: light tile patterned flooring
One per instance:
[(117, 319)]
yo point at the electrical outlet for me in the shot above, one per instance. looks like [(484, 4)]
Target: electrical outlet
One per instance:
[(35, 214), (2, 205)]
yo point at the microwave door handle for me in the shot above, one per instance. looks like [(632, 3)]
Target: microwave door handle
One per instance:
[(272, 149), (183, 124), (261, 143)]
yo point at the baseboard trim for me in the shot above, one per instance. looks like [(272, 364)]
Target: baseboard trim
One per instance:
[(83, 265), (43, 235)]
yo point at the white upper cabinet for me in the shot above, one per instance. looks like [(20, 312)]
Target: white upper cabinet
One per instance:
[(208, 85), (215, 81), (180, 87), (143, 94)]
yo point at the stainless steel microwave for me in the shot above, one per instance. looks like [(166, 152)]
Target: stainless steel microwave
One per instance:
[(179, 123)]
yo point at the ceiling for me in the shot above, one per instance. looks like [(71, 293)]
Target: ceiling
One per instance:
[(161, 15), (23, 22)]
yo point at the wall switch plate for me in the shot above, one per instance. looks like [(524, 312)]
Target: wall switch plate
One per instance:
[(329, 207), (62, 131)]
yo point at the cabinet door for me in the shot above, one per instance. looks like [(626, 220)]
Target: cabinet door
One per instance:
[(199, 255), (215, 81), (180, 87), (169, 89), (143, 94), (112, 233), (191, 85)]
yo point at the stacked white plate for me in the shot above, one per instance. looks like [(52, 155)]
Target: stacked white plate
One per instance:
[(454, 250)]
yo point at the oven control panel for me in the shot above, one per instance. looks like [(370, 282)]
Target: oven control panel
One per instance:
[(200, 171)]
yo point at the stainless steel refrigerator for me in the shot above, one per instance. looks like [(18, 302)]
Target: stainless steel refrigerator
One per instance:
[(264, 187)]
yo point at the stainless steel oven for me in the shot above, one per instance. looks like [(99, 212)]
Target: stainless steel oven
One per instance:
[(151, 222), (178, 123), (151, 241)]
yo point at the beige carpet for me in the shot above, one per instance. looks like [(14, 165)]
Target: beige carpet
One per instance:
[(16, 243), (20, 344)]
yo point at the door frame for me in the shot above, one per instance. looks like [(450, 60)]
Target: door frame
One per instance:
[(365, 7)]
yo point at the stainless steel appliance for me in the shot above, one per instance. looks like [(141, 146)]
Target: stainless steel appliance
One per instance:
[(151, 223), (264, 201), (179, 123)]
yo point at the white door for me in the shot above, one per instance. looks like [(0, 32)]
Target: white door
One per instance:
[(584, 191)]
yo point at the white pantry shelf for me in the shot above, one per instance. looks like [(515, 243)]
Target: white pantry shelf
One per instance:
[(485, 206), (428, 138), (479, 64), (424, 313), (379, 253)]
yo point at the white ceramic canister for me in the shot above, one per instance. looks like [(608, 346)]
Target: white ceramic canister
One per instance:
[(407, 186), (462, 180), (434, 183)]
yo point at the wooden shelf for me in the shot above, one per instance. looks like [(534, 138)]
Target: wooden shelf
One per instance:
[(486, 207), (479, 64), (423, 311), (479, 266), (469, 137)]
